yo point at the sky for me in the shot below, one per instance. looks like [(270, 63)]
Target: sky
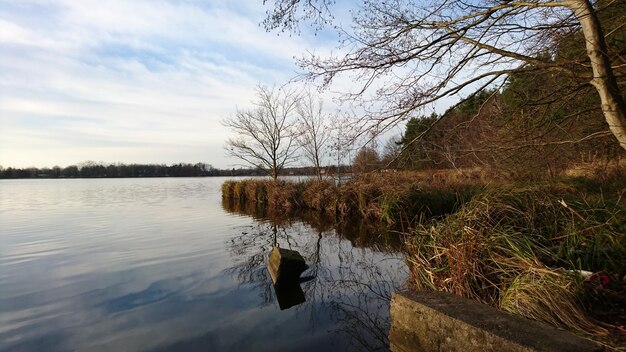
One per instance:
[(141, 81)]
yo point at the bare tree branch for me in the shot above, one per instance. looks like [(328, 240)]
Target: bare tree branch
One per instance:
[(314, 130), (405, 55), (266, 132)]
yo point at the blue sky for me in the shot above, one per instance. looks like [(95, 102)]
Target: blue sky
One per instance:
[(133, 81)]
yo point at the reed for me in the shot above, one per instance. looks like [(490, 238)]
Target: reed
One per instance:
[(387, 199)]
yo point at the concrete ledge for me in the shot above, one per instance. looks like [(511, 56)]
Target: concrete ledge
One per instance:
[(439, 321)]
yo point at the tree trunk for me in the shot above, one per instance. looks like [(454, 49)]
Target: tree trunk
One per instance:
[(274, 170), (318, 167), (613, 105)]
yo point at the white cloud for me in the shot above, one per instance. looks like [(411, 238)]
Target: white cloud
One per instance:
[(130, 81)]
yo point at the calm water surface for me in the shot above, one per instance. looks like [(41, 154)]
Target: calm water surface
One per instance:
[(162, 265)]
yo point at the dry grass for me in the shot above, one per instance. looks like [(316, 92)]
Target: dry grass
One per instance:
[(522, 250), (519, 248), (398, 198)]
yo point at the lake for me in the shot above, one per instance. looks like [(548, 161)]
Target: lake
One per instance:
[(161, 264)]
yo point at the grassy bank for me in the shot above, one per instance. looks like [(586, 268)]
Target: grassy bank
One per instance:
[(400, 199), (546, 252), (554, 252)]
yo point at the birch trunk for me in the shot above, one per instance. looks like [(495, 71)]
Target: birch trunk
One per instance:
[(613, 105)]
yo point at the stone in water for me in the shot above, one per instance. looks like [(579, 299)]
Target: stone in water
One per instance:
[(285, 266)]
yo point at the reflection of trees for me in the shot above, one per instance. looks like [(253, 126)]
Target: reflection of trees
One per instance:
[(249, 252), (354, 278), (360, 233), (364, 312)]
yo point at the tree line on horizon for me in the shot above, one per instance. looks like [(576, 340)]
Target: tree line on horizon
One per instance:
[(97, 170), (120, 170)]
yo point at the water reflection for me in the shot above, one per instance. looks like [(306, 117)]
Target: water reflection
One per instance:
[(352, 273), (359, 233), (159, 265), (289, 295)]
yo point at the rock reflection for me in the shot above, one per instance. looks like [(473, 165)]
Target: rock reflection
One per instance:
[(353, 272), (289, 295)]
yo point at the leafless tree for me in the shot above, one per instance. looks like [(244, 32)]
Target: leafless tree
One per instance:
[(340, 140), (391, 151), (266, 133), (314, 131), (366, 160), (408, 54)]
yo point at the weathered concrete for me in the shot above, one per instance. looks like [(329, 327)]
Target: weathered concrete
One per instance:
[(285, 266), (438, 321)]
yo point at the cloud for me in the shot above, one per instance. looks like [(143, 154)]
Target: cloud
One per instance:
[(114, 80)]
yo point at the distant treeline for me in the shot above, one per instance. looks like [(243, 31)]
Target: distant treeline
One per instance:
[(118, 170)]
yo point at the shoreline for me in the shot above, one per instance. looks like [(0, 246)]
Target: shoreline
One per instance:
[(518, 247)]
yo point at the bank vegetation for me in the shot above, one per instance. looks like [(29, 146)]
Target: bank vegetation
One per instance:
[(514, 196), (552, 250)]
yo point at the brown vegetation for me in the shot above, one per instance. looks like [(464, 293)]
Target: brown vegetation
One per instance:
[(400, 198), (542, 109), (523, 250), (536, 250)]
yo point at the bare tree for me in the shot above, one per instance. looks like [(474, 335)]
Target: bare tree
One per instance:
[(391, 152), (366, 160), (314, 133), (409, 54), (340, 147), (266, 133)]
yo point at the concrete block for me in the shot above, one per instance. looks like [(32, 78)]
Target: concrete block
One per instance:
[(285, 266), (439, 321)]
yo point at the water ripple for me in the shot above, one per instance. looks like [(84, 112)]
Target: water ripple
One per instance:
[(157, 264)]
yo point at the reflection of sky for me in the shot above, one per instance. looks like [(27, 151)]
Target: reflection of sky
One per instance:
[(143, 264)]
